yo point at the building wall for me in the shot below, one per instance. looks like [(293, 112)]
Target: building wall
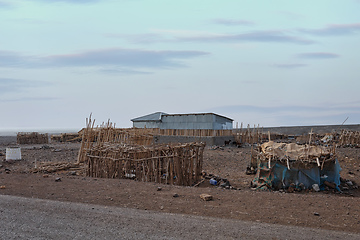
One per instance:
[(210, 141), (186, 122), (147, 124), (195, 121), (222, 123)]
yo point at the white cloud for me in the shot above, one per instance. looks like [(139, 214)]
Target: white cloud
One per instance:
[(317, 55), (111, 58), (334, 30)]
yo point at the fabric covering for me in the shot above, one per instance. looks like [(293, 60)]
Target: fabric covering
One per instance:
[(292, 150), (279, 176)]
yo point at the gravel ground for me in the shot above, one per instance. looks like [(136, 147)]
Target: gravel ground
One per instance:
[(325, 210), (26, 218)]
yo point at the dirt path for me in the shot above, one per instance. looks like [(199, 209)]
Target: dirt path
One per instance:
[(318, 210), (29, 218)]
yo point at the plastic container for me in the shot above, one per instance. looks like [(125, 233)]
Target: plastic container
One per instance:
[(213, 182), (13, 154)]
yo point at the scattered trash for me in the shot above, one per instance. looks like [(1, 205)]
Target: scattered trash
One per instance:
[(216, 148), (226, 184), (55, 166), (213, 182), (330, 184), (316, 187), (199, 183), (159, 189), (58, 179), (301, 187), (349, 183), (346, 185), (176, 195), (206, 197), (291, 188), (316, 214), (2, 187), (250, 171), (130, 175)]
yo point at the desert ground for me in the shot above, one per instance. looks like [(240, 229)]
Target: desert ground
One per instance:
[(331, 210)]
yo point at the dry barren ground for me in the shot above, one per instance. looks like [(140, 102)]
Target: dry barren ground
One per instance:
[(325, 210)]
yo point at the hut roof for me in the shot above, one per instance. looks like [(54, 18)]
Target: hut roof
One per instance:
[(293, 151)]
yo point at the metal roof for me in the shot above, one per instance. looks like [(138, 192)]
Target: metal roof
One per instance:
[(153, 117), (185, 114)]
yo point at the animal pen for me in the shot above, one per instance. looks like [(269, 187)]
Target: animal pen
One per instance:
[(109, 152)]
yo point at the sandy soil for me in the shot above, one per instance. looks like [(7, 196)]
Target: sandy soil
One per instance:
[(325, 210)]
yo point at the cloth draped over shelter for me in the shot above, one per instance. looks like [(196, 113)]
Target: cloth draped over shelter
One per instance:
[(281, 164)]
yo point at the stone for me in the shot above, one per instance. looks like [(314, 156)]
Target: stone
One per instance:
[(176, 195), (206, 197), (159, 188), (58, 179)]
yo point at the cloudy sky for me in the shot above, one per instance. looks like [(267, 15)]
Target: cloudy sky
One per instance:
[(272, 63)]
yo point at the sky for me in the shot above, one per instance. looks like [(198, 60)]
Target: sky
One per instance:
[(267, 63)]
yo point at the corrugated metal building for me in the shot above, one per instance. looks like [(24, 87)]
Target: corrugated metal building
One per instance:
[(183, 121)]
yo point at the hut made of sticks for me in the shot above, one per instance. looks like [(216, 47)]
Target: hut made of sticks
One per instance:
[(169, 164), (32, 138), (280, 165)]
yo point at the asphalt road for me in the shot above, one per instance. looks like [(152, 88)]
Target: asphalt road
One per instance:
[(28, 218)]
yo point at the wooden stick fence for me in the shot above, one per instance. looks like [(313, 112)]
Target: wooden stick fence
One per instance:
[(177, 165), (349, 138)]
